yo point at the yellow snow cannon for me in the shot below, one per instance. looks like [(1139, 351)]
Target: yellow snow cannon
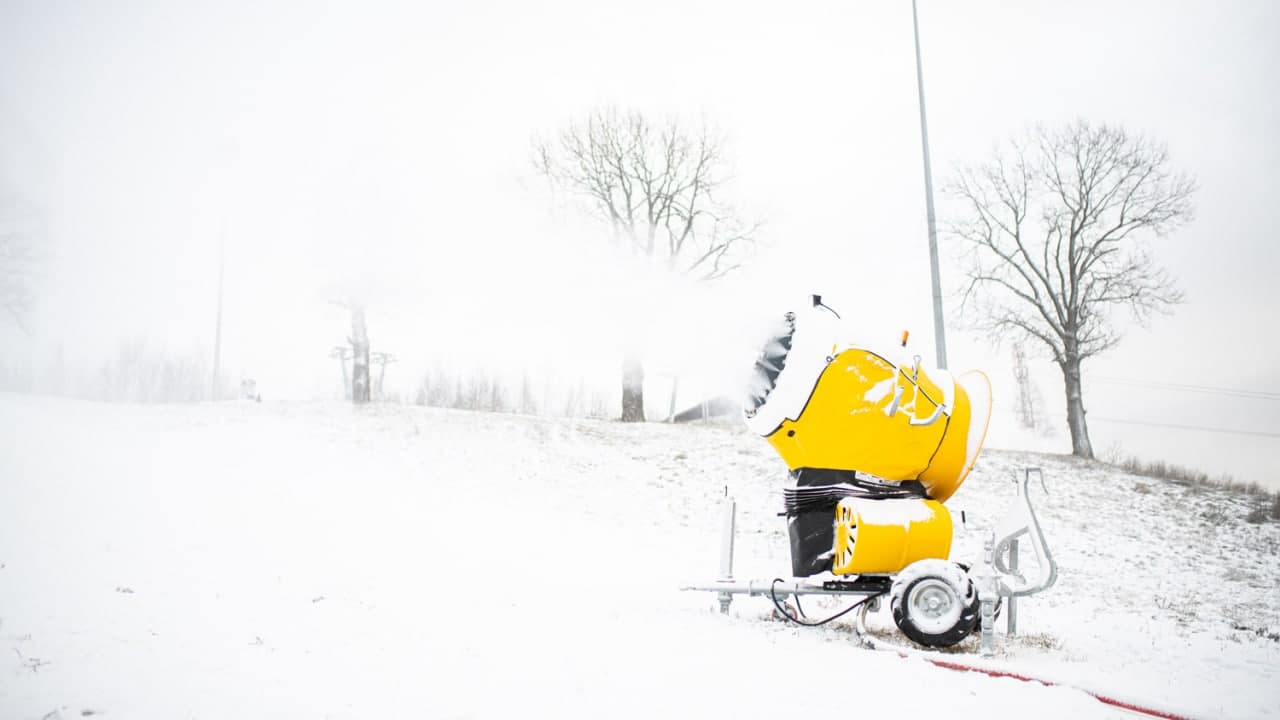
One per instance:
[(874, 441)]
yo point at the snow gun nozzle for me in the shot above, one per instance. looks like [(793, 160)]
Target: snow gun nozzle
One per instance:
[(817, 302)]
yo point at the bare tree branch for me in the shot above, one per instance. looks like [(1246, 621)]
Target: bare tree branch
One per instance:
[(1056, 227), (656, 187)]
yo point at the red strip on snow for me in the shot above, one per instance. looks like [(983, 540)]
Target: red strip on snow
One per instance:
[(1131, 707)]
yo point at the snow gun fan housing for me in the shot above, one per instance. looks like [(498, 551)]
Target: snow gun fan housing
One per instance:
[(874, 442)]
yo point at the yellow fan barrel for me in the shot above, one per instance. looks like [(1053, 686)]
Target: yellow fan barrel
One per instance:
[(875, 444), (868, 415)]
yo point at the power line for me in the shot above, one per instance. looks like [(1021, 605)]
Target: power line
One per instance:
[(1176, 426), (1181, 387), (1258, 433)]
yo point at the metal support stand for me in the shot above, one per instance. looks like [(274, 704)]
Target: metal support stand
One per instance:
[(1011, 605), (988, 594), (726, 550), (997, 578), (1000, 576)]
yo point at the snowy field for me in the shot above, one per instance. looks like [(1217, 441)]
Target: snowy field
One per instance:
[(315, 560)]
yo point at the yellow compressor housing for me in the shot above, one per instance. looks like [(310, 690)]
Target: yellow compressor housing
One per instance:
[(884, 536)]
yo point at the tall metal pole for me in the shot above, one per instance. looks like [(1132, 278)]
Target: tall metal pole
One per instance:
[(939, 333), (217, 330)]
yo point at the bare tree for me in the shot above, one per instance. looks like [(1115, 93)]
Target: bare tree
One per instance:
[(1056, 227), (528, 403), (658, 187), (360, 386), (19, 228)]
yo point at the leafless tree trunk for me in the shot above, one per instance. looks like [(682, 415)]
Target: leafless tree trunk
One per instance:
[(360, 386), (19, 227), (658, 189), (1055, 226), (1080, 444), (528, 404), (632, 388)]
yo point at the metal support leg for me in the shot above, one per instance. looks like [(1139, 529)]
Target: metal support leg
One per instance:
[(988, 625), (726, 550), (1011, 604), (987, 596)]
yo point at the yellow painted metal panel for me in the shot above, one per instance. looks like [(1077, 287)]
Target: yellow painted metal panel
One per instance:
[(885, 536), (859, 417)]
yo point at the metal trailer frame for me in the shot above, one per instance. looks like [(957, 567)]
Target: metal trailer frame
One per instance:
[(997, 577)]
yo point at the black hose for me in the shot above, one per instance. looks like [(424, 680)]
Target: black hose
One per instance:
[(773, 595)]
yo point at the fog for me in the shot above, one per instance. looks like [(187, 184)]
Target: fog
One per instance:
[(380, 152)]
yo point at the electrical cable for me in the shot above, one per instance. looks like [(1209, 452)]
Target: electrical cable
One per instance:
[(799, 607), (773, 595), (1257, 433), (1183, 387), (1174, 426)]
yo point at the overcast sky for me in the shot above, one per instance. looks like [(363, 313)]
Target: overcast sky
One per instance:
[(381, 150)]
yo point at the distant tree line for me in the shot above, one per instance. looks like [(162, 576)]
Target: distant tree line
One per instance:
[(490, 391), (136, 373)]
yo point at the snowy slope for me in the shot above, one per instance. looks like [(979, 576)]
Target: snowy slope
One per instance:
[(314, 560)]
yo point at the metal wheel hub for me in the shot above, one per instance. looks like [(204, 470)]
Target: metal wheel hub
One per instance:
[(933, 606)]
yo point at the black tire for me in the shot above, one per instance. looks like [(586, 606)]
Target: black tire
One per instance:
[(934, 603)]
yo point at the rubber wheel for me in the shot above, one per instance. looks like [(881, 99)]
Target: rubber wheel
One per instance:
[(934, 603)]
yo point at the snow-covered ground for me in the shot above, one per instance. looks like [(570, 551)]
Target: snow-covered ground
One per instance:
[(316, 560)]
